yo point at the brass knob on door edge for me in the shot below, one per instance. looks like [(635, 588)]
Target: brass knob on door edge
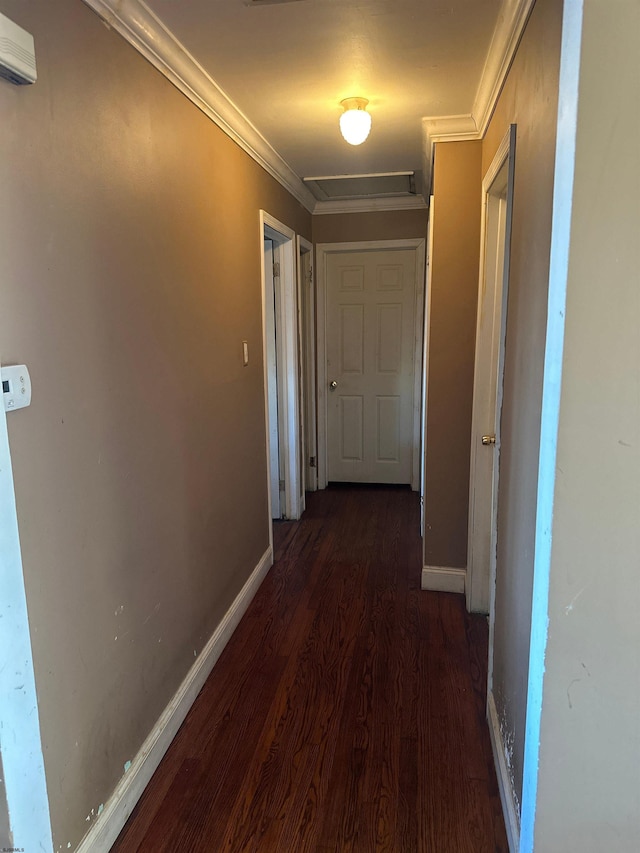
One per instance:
[(488, 439)]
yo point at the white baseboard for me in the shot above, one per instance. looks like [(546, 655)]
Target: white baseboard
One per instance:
[(509, 810), (443, 579), (108, 825)]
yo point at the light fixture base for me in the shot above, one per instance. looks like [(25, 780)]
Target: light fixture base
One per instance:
[(354, 104)]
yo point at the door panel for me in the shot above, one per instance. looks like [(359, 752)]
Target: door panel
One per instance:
[(351, 428), (370, 356), (388, 429), (389, 339), (352, 339)]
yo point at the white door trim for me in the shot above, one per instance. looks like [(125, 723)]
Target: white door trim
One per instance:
[(288, 390), (322, 251), (307, 307), (425, 371), (480, 586), (271, 361), (22, 754)]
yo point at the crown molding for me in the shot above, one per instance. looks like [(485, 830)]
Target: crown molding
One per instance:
[(510, 25), (512, 19), (444, 129), (451, 128), (137, 24), (370, 205)]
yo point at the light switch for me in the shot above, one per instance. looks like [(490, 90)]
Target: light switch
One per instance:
[(16, 386), (245, 353)]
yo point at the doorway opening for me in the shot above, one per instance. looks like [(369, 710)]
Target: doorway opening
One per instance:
[(497, 198), (280, 330), (369, 318), (24, 803), (308, 386), (497, 190)]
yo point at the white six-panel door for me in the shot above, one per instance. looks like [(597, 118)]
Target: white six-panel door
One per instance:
[(370, 349)]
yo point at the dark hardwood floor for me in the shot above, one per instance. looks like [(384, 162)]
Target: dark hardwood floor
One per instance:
[(347, 712)]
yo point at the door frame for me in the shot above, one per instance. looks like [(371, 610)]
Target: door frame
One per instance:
[(425, 372), (286, 304), (272, 360), (24, 778), (481, 578), (307, 330), (323, 250)]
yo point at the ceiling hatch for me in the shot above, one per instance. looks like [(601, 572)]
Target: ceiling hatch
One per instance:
[(267, 2), (380, 185)]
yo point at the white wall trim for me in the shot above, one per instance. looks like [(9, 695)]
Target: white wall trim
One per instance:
[(512, 20), (443, 579), (108, 825), (138, 25), (370, 205), (507, 797), (451, 128)]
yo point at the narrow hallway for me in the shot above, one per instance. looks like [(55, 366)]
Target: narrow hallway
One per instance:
[(347, 712)]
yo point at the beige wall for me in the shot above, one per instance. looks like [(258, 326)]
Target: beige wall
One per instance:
[(130, 269), (452, 332), (357, 227), (589, 776), (529, 99)]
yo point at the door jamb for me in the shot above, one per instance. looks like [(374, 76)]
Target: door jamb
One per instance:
[(504, 154), (322, 251), (425, 372), (24, 779), (307, 322), (288, 390)]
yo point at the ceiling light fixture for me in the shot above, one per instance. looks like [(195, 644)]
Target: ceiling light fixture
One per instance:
[(355, 121)]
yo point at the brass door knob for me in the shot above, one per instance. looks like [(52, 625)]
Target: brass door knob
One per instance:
[(333, 385), (488, 439)]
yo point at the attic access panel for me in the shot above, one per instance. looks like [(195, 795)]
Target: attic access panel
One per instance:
[(267, 2), (344, 187)]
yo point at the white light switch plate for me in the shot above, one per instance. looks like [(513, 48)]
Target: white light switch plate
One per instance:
[(16, 386)]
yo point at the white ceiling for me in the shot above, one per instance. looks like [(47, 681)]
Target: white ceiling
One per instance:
[(288, 65)]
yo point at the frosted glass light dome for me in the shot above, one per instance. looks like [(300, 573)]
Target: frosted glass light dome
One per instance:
[(355, 121)]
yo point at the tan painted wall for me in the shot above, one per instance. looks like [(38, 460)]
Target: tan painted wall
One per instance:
[(130, 270), (589, 776), (529, 99), (356, 227), (454, 296)]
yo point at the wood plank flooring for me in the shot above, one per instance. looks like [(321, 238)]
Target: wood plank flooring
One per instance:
[(347, 712)]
